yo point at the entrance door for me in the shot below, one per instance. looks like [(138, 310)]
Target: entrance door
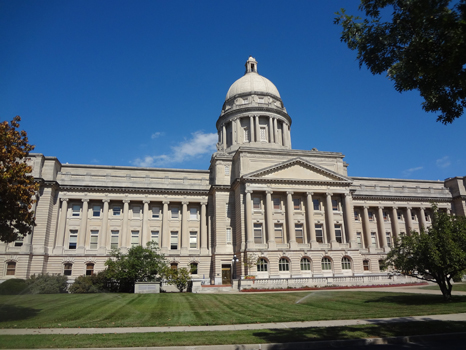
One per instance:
[(226, 274)]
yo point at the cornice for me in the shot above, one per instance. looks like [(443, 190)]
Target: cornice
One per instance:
[(250, 93), (132, 190), (402, 198)]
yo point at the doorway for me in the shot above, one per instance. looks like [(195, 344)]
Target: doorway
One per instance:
[(226, 274)]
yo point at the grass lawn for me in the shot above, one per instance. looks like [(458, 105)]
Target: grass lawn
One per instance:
[(176, 309), (229, 337), (457, 287)]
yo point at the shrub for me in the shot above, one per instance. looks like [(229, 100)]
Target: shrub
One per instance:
[(13, 287), (44, 283), (96, 283)]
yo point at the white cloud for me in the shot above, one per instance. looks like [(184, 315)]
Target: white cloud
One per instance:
[(198, 145), (156, 134), (443, 162), (409, 171)]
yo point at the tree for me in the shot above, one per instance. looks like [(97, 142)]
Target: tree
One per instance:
[(17, 186), (422, 48), (178, 277), (437, 255), (138, 265)]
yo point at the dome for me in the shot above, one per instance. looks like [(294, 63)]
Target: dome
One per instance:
[(252, 81)]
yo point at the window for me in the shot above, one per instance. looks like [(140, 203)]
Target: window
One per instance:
[(385, 216), (316, 204), (96, 211), (305, 264), (154, 236), (19, 241), (136, 212), (229, 238), (73, 239), (67, 269), (89, 269), (389, 239), (175, 213), (227, 170), (75, 210), (413, 216), (356, 215), (297, 203), (371, 216), (381, 265), (134, 238), (373, 239), (10, 268), (276, 203), (174, 266), (193, 213), (278, 228), (193, 268), (399, 214), (283, 264), (345, 263), (193, 240), (298, 229), (94, 239), (326, 264), (155, 213), (334, 205), (261, 265), (263, 133), (359, 239), (174, 240), (228, 207), (365, 265), (116, 211), (246, 134), (258, 233), (338, 234), (319, 233), (256, 203), (114, 239)]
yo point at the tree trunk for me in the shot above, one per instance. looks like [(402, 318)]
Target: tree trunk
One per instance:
[(444, 288)]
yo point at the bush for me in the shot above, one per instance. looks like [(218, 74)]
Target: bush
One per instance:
[(44, 283), (13, 287), (97, 283)]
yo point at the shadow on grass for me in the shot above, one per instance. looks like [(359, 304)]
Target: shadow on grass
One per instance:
[(286, 339), (16, 313), (416, 299)]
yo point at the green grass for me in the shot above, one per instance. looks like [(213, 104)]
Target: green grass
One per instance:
[(457, 287), (139, 310), (229, 337)]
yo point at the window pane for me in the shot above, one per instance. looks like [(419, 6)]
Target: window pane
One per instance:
[(326, 264), (67, 269), (193, 268), (155, 212), (94, 239), (256, 203), (136, 212), (174, 240), (116, 211), (229, 238), (316, 203), (73, 241), (276, 203), (297, 203), (305, 264), (283, 265), (193, 240), (346, 263), (298, 229), (334, 205), (134, 238), (278, 233), (261, 265), (319, 233), (96, 210), (175, 213), (76, 209), (258, 233), (338, 234), (10, 268), (89, 269), (193, 213), (114, 239), (154, 236)]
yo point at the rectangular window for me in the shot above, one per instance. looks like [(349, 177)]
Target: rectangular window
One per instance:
[(19, 242), (319, 233), (94, 239), (276, 203), (154, 236), (134, 238), (385, 216), (373, 239), (67, 269), (413, 216), (175, 213), (371, 216), (229, 238), (365, 265), (246, 134), (114, 239), (155, 213), (10, 268), (193, 240), (96, 211), (356, 215), (298, 229), (89, 269), (76, 210), (297, 203), (256, 203), (338, 233), (359, 239), (334, 205), (116, 211), (73, 239), (263, 133), (258, 233), (399, 214), (316, 204), (193, 213), (174, 240), (278, 228), (136, 212), (193, 268), (389, 239)]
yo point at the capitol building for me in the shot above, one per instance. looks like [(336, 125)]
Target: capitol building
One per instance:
[(288, 217)]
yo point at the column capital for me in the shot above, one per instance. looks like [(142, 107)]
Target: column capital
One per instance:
[(269, 191), (126, 201), (64, 199), (185, 202), (290, 192), (203, 203), (329, 194), (166, 202), (146, 201), (396, 208), (248, 191), (106, 200), (85, 200), (409, 208), (310, 193), (348, 195), (365, 206), (380, 206)]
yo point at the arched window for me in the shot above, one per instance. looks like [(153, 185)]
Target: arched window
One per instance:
[(89, 269), (10, 268), (305, 264), (365, 265), (261, 265), (174, 266), (283, 264), (326, 264), (67, 269), (345, 263), (193, 267)]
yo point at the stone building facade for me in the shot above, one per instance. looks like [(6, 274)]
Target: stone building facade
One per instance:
[(295, 214)]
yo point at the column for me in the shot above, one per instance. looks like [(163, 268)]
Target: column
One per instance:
[(288, 134), (271, 130), (289, 218), (275, 129), (269, 215), (145, 223), (422, 219), (125, 236), (381, 228), (349, 216), (103, 234), (329, 215), (233, 131), (204, 245), (395, 227), (238, 130), (165, 229), (62, 224), (251, 129), (224, 137), (310, 218), (249, 232), (366, 228), (83, 228), (284, 138), (258, 130), (408, 221), (184, 226)]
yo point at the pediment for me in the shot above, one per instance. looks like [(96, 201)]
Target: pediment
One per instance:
[(298, 169)]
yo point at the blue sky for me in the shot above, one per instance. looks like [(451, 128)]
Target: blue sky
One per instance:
[(143, 83)]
